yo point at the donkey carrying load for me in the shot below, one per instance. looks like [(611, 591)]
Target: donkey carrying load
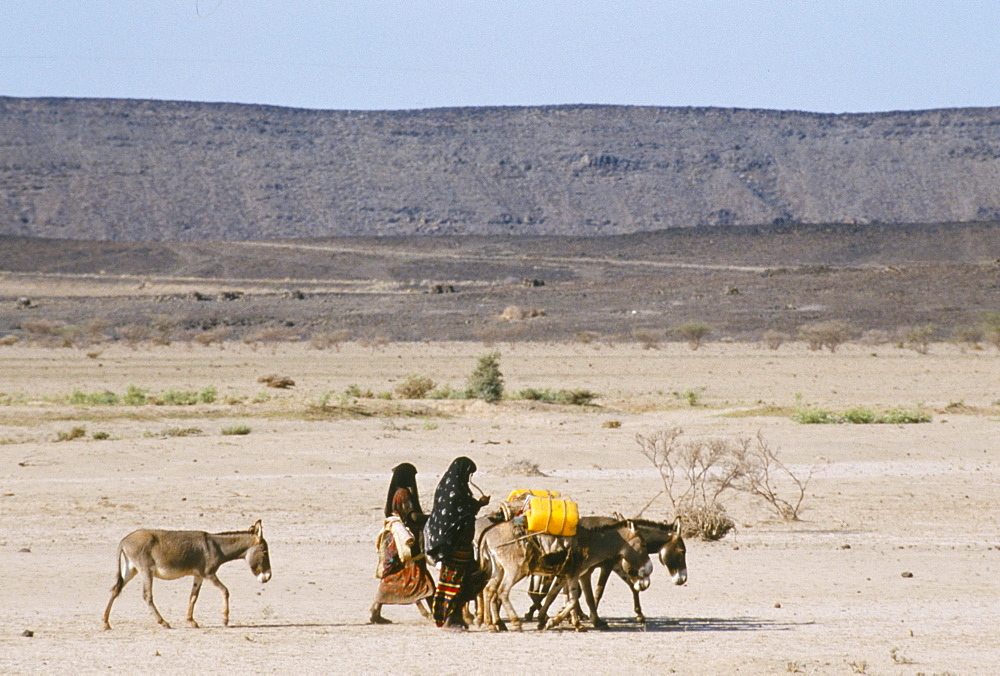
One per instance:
[(170, 554), (512, 554), (661, 537)]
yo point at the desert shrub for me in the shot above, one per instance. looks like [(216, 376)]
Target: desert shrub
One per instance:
[(133, 334), (486, 381), (902, 416), (134, 396), (691, 395), (918, 338), (829, 334), (698, 475), (970, 335), (47, 333), (513, 313), (187, 397), (585, 337), (446, 392), (71, 434), (577, 397), (214, 335), (328, 339), (355, 392), (100, 436), (376, 343), (276, 381), (859, 416), (415, 387), (694, 333), (276, 334), (180, 432), (991, 328), (8, 340), (649, 339), (873, 337), (105, 398), (774, 339), (234, 430)]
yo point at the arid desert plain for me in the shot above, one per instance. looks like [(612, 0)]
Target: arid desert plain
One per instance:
[(892, 567)]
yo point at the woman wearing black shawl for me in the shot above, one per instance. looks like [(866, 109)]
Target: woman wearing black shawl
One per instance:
[(403, 582), (448, 538)]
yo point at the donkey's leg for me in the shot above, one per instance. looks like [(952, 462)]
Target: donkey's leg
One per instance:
[(425, 611), (116, 589), (147, 593), (195, 588), (637, 606), (588, 594), (538, 587), (225, 597), (571, 601), (506, 584), (557, 586), (602, 583)]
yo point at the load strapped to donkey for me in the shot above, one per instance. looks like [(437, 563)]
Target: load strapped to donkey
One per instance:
[(541, 511)]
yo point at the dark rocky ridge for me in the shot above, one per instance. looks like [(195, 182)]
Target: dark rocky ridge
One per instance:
[(170, 171)]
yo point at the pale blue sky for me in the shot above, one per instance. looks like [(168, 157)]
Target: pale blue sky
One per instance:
[(817, 55)]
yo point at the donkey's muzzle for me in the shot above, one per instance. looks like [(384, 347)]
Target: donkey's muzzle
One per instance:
[(265, 576)]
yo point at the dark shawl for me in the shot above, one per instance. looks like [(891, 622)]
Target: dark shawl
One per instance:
[(452, 521), (403, 476)]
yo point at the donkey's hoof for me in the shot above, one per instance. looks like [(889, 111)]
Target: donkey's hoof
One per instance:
[(600, 624), (193, 624)]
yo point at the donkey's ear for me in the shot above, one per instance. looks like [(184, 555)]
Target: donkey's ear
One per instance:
[(257, 529), (677, 526)]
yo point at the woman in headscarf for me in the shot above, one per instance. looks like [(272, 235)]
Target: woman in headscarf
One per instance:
[(448, 537), (403, 582)]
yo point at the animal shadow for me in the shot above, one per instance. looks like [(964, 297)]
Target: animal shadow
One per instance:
[(683, 624)]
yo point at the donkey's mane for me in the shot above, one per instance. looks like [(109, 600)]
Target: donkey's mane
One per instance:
[(658, 525), (234, 532), (612, 526)]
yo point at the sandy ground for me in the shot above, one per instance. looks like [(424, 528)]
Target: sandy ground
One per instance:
[(825, 594)]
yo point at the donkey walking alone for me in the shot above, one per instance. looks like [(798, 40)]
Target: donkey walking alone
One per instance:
[(170, 554)]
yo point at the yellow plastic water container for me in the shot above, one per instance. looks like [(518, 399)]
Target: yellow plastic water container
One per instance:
[(521, 492), (556, 516)]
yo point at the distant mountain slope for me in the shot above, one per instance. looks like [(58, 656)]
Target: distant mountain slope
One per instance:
[(148, 170)]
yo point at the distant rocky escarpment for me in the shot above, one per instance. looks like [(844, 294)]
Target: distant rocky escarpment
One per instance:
[(160, 171)]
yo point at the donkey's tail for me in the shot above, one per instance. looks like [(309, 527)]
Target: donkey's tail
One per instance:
[(124, 565)]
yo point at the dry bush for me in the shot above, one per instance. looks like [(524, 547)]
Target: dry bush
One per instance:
[(514, 313), (694, 333), (969, 335), (991, 328), (133, 334), (415, 387), (830, 334), (698, 475), (650, 339), (519, 468), (277, 334), (276, 381), (9, 340), (918, 338), (376, 343), (328, 339), (774, 339), (45, 332), (873, 337), (216, 335)]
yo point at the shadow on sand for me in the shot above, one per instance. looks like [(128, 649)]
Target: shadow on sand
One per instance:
[(681, 624)]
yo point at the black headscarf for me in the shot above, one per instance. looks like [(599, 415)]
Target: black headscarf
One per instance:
[(403, 476), (453, 518)]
